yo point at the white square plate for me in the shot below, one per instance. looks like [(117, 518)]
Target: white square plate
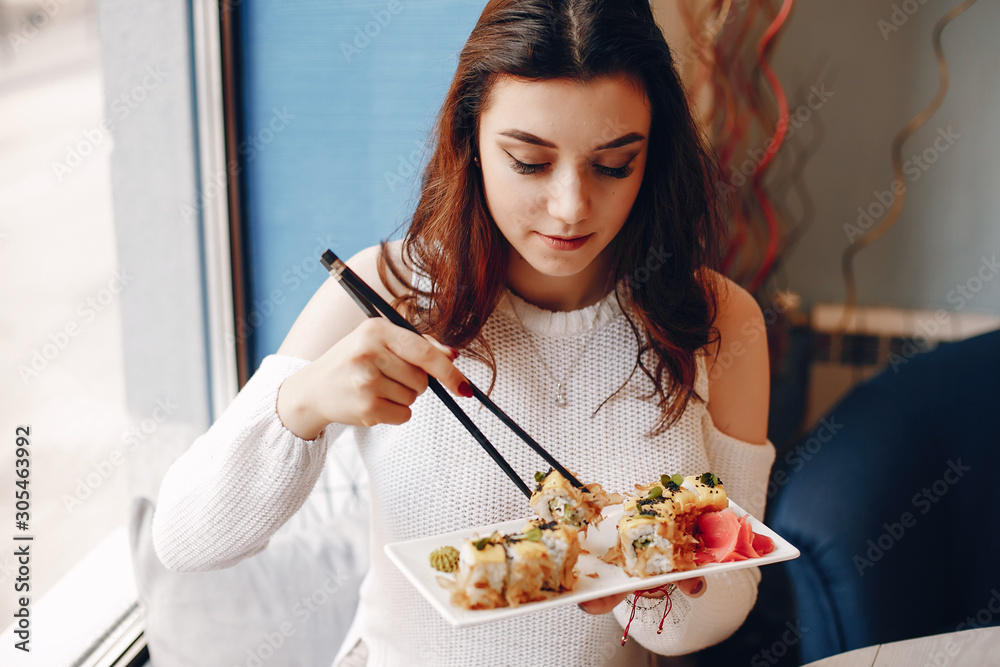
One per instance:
[(413, 558)]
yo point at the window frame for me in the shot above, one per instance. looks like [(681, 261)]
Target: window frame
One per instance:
[(213, 79)]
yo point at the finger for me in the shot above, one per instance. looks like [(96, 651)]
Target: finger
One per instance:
[(420, 352), (388, 365), (602, 605), (447, 349), (372, 388), (394, 392), (385, 412), (654, 593), (693, 588)]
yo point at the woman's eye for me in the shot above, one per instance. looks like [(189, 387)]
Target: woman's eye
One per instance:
[(623, 171), (614, 172), (525, 167)]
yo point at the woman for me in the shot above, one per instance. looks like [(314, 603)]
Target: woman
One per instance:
[(562, 244)]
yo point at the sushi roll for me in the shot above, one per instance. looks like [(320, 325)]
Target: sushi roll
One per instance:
[(656, 533), (651, 545), (677, 495), (528, 568), (482, 570), (562, 543), (509, 570), (711, 495), (556, 499)]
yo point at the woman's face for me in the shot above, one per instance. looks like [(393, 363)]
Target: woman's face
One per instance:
[(562, 162)]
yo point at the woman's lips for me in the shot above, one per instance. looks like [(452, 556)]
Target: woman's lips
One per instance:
[(563, 242)]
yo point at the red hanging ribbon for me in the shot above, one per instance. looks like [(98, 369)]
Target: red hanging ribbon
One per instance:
[(666, 608)]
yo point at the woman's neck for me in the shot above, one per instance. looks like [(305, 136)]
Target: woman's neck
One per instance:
[(559, 293)]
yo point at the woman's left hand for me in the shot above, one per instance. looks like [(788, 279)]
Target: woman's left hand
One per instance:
[(693, 588)]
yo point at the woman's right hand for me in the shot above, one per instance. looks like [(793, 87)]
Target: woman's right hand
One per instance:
[(370, 376)]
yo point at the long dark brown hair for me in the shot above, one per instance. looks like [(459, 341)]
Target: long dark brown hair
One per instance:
[(453, 238)]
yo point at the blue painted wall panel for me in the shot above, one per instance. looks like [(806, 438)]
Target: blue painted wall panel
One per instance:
[(338, 99)]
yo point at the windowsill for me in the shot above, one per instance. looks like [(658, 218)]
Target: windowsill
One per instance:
[(79, 609)]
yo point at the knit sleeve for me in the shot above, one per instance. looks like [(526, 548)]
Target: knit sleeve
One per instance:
[(695, 624), (223, 499), (743, 467)]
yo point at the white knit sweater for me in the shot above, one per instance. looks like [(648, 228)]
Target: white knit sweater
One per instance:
[(224, 498)]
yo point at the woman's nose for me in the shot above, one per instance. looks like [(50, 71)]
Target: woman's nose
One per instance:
[(569, 197)]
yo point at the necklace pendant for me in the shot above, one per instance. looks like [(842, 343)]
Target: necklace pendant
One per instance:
[(560, 400)]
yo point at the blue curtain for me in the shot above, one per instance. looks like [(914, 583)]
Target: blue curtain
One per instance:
[(338, 99)]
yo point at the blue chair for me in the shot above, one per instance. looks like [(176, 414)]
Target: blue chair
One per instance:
[(893, 502)]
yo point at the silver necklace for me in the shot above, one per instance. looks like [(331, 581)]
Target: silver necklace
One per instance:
[(560, 395)]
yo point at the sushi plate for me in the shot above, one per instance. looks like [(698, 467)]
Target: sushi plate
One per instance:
[(597, 578)]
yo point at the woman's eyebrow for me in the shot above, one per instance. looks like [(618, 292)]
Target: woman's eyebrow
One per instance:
[(529, 138), (625, 140)]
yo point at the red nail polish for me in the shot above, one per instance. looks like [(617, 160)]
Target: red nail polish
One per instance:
[(452, 352), (465, 389)]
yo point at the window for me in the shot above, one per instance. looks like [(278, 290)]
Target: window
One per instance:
[(61, 284)]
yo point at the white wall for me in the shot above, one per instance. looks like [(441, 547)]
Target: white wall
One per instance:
[(951, 218)]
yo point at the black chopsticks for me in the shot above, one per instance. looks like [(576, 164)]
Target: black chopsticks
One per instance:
[(373, 305)]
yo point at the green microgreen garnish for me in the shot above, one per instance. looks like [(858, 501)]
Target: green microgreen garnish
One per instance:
[(709, 479), (671, 482)]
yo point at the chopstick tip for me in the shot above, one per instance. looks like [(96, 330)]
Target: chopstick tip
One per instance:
[(329, 259)]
